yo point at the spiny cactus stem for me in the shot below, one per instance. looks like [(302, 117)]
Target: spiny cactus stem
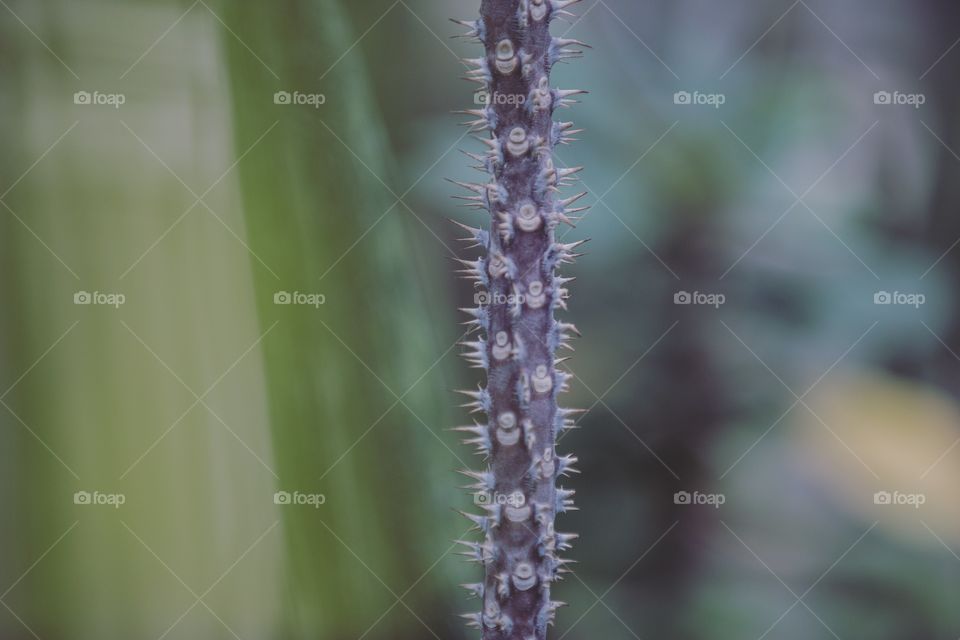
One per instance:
[(518, 269)]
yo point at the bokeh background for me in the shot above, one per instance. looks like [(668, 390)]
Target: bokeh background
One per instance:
[(792, 403)]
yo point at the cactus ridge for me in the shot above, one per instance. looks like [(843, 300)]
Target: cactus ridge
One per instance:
[(517, 275)]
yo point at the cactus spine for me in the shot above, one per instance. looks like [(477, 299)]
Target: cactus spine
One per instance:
[(519, 334)]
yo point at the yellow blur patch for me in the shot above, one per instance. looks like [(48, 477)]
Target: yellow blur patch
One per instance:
[(887, 450)]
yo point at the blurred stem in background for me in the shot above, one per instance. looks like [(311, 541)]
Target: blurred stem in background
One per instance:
[(943, 221), (319, 223), (695, 403), (17, 458), (687, 423)]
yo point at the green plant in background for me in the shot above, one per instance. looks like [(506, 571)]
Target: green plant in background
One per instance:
[(515, 311), (314, 218), (97, 400)]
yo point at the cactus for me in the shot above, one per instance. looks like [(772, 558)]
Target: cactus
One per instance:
[(519, 292)]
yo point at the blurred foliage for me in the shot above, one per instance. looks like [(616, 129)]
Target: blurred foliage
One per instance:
[(316, 207)]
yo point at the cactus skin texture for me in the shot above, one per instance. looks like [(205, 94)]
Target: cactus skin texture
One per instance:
[(520, 290)]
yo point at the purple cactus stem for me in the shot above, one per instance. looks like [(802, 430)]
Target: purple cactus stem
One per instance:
[(519, 290)]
